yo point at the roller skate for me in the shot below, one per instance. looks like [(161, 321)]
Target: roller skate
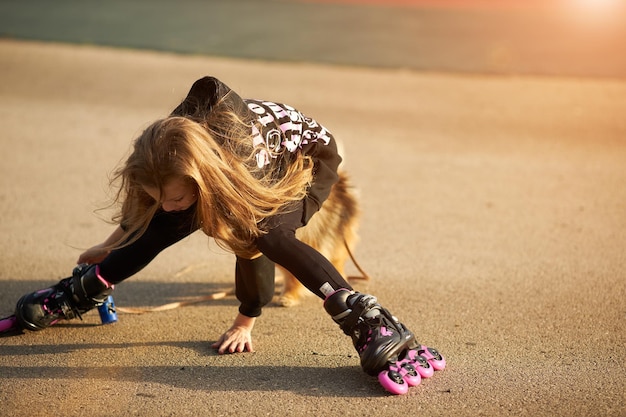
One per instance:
[(68, 299), (387, 349)]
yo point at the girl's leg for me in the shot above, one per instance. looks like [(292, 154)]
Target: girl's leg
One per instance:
[(89, 285), (379, 338), (165, 229), (309, 266)]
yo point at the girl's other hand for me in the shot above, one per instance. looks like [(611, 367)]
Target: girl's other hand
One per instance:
[(93, 255)]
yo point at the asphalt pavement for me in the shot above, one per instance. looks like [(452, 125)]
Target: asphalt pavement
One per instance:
[(493, 218)]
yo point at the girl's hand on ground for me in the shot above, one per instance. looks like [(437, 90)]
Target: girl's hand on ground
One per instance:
[(238, 338)]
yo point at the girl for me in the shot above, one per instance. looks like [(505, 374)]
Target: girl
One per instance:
[(247, 173)]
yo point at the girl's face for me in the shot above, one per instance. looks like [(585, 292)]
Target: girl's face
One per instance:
[(178, 194)]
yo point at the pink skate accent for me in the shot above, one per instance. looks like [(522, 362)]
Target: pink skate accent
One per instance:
[(7, 324), (45, 307), (367, 342), (385, 332), (104, 281)]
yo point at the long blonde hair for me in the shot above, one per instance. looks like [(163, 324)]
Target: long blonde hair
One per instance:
[(214, 151)]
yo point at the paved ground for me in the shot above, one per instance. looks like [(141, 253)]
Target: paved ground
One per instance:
[(494, 218), (493, 227)]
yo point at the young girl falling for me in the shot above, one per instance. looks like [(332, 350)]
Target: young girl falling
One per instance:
[(248, 173)]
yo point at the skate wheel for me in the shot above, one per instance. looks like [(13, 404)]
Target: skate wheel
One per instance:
[(434, 357), (393, 382), (421, 364), (8, 324), (410, 375)]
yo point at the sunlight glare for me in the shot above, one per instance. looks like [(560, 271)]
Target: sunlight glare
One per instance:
[(596, 12), (597, 6)]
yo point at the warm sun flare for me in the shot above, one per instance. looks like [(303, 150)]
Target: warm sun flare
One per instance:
[(593, 6), (596, 13)]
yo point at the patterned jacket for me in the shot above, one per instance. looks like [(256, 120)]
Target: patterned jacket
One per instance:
[(279, 130)]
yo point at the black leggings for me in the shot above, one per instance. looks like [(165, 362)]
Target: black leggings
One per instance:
[(165, 229), (254, 278)]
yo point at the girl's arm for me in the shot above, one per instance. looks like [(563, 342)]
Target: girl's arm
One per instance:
[(97, 253)]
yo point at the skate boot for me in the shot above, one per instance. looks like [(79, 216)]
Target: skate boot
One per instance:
[(70, 298), (386, 347)]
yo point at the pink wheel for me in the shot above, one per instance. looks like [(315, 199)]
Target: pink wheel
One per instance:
[(433, 356), (7, 324), (410, 374), (393, 382), (421, 364)]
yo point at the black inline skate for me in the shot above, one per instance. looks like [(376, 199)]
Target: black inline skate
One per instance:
[(386, 347), (68, 299)]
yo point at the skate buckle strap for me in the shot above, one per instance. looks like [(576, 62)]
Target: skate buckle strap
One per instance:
[(69, 312), (59, 302), (64, 301), (362, 305)]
